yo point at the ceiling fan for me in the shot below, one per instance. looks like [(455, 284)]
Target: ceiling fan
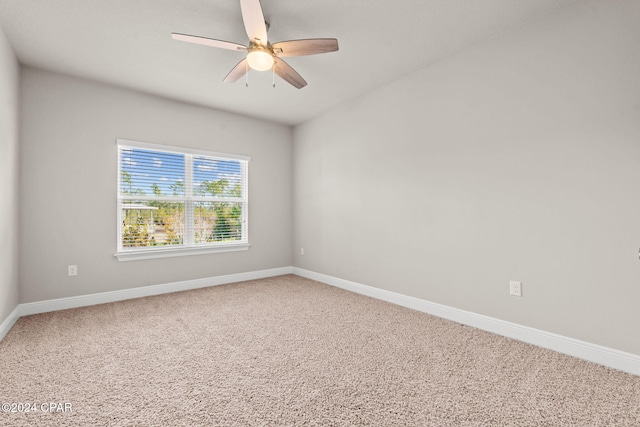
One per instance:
[(262, 55)]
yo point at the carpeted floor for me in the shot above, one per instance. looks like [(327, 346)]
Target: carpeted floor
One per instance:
[(291, 351)]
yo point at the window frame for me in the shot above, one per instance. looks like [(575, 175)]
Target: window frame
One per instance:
[(189, 199)]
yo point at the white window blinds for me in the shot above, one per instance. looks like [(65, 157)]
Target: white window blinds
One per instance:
[(172, 198)]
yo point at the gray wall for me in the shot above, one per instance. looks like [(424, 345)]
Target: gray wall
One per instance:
[(517, 159), (9, 88), (68, 185)]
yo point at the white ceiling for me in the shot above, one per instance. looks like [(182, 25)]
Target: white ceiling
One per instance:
[(128, 43)]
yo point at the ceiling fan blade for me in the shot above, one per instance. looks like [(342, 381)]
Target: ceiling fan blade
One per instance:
[(208, 42), (238, 71), (254, 20), (288, 74), (305, 47)]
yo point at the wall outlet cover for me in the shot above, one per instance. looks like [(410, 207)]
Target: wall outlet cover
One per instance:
[(515, 288), (72, 270)]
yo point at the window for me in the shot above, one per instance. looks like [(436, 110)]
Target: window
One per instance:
[(175, 201)]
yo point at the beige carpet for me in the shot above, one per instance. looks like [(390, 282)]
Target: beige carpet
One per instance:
[(290, 351)]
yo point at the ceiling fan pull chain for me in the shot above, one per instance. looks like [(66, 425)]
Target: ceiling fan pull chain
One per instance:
[(273, 75), (246, 74)]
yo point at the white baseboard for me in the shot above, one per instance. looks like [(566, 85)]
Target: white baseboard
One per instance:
[(612, 358), (144, 291), (8, 323)]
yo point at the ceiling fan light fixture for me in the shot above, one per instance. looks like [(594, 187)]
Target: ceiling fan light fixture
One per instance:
[(260, 60)]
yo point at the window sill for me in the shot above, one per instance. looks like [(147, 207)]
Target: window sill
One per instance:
[(174, 252)]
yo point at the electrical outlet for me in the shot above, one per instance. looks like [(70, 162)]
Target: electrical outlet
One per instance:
[(73, 270), (515, 288), (301, 251)]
